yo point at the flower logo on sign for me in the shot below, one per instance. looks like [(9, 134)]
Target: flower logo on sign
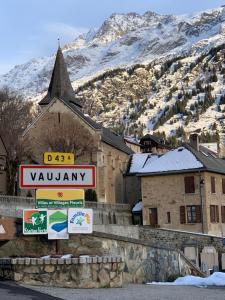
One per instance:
[(60, 194), (80, 221)]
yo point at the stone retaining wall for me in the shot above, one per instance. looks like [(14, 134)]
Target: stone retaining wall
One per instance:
[(143, 261), (178, 239), (83, 272)]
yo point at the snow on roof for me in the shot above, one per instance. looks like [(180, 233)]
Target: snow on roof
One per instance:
[(137, 162), (211, 146), (174, 160), (137, 207)]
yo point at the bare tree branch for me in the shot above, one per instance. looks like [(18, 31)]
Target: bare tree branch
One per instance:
[(69, 135), (15, 115)]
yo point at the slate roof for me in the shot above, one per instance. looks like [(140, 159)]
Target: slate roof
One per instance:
[(60, 85), (107, 135), (153, 138), (208, 161)]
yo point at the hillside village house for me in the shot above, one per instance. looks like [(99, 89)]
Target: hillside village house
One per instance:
[(152, 144), (108, 151), (3, 155), (183, 189)]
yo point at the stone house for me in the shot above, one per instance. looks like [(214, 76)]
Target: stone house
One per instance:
[(3, 156), (132, 144), (152, 144), (108, 151), (184, 189)]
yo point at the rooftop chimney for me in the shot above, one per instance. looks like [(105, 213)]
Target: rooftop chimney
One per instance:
[(194, 141)]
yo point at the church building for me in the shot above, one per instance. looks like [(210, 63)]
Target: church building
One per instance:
[(62, 126)]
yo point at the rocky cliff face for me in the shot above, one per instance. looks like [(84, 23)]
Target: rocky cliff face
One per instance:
[(142, 72)]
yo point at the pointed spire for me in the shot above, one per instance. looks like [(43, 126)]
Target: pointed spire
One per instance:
[(60, 85)]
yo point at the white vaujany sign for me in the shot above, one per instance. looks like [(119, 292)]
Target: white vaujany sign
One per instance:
[(71, 176)]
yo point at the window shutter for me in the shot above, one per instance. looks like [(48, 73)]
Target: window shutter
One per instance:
[(223, 214), (213, 188), (223, 185), (182, 215), (217, 213), (212, 214), (168, 217), (198, 214), (189, 182)]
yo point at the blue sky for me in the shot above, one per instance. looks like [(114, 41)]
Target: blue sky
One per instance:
[(30, 28)]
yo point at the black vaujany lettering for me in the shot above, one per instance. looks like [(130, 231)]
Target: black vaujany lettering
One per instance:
[(33, 176), (82, 176), (64, 177)]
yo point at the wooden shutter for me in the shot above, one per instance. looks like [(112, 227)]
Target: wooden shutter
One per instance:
[(223, 214), (217, 213), (168, 217), (189, 182), (223, 185), (198, 214), (212, 213), (182, 215), (213, 188)]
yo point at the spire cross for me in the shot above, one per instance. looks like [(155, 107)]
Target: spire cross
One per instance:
[(59, 42)]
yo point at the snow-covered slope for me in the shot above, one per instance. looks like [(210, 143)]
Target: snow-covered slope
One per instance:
[(125, 69)]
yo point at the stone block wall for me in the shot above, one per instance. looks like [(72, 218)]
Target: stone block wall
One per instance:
[(178, 239), (83, 272), (143, 261)]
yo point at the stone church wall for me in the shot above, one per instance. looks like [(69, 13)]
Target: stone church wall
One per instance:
[(110, 162)]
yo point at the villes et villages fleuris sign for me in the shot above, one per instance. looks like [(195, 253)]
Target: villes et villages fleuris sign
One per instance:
[(59, 198)]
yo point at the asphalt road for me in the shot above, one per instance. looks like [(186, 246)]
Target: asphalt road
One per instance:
[(11, 291), (137, 292)]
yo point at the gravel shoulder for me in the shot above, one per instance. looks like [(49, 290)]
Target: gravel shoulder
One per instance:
[(136, 292)]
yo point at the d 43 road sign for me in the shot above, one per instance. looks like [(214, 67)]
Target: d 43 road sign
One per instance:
[(67, 176), (58, 158)]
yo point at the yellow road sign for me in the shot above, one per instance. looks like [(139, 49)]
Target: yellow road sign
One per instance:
[(58, 158), (59, 198)]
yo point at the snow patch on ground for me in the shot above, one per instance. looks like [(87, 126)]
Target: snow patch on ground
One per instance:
[(216, 279)]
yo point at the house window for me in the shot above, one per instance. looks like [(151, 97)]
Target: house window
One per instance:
[(223, 185), (194, 214), (168, 217), (223, 214), (213, 187), (189, 183), (182, 215), (214, 214)]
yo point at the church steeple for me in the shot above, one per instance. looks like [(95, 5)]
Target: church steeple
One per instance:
[(60, 85)]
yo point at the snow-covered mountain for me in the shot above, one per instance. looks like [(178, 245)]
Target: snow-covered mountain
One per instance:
[(150, 71)]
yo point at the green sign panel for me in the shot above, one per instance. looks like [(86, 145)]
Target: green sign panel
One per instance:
[(59, 198), (34, 221)]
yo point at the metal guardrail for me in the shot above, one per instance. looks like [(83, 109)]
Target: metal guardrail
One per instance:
[(12, 206)]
